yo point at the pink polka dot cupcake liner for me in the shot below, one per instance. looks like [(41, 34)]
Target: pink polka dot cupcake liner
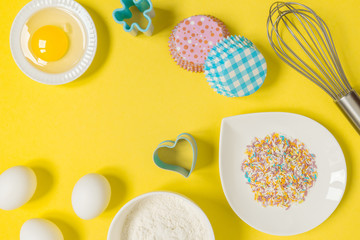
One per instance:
[(191, 40)]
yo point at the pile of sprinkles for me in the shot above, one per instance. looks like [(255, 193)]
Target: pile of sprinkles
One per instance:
[(279, 170)]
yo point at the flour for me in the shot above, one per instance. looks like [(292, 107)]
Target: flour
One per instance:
[(165, 217)]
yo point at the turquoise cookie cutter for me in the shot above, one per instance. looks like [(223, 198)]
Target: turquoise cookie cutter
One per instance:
[(171, 144), (144, 6)]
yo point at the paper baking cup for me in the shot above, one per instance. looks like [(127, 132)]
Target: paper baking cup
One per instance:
[(90, 34), (235, 68), (179, 59)]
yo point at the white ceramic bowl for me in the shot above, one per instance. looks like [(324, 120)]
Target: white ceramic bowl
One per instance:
[(323, 198), (60, 78), (119, 220)]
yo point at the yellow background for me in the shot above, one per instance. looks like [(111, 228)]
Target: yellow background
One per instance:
[(134, 96)]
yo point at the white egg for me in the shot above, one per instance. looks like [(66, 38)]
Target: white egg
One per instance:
[(17, 186), (40, 229), (91, 196)]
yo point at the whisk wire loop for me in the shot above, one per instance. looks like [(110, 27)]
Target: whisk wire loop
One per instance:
[(321, 63)]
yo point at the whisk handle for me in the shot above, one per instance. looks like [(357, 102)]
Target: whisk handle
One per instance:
[(350, 105)]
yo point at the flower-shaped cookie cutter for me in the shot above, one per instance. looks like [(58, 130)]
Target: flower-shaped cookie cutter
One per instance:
[(172, 144), (144, 6)]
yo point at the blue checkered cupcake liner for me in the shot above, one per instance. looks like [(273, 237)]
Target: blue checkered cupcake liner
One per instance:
[(235, 68)]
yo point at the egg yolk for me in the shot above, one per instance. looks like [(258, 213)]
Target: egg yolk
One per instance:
[(49, 43)]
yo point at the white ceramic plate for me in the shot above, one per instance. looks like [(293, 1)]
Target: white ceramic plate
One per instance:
[(117, 224), (323, 198), (90, 33)]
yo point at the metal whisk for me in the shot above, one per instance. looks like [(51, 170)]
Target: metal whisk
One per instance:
[(312, 53)]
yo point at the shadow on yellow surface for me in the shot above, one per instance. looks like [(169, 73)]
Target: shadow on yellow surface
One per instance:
[(206, 152), (163, 19), (273, 66), (44, 171), (104, 43), (69, 226), (45, 182), (118, 187)]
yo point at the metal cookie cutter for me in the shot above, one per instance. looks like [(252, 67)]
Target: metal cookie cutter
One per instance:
[(144, 6), (171, 144)]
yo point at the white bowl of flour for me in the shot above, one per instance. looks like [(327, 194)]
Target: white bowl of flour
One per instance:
[(160, 216)]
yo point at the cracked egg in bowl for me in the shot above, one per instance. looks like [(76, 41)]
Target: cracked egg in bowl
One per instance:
[(53, 42)]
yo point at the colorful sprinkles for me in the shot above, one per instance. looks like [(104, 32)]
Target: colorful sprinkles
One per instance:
[(279, 170)]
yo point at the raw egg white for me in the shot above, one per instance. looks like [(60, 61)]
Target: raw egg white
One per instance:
[(53, 40), (40, 229), (17, 186), (91, 196)]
